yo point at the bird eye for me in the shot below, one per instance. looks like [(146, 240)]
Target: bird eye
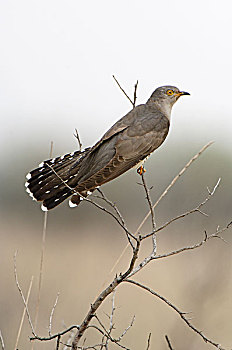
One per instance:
[(170, 92)]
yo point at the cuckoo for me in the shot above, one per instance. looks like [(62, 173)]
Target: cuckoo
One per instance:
[(125, 145)]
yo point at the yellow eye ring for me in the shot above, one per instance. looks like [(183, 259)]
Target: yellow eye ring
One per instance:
[(170, 92)]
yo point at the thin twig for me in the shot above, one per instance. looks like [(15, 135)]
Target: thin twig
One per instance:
[(58, 342), (51, 315), (135, 93), (54, 336), (153, 234), (41, 267), (2, 341), (148, 341), (42, 257), (23, 315), (109, 338), (149, 202), (123, 91), (111, 318), (181, 313), (169, 343), (22, 296), (76, 135), (126, 329)]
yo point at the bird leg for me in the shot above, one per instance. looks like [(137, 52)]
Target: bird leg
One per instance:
[(141, 170)]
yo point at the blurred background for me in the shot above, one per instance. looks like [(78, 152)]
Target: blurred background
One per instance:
[(56, 65)]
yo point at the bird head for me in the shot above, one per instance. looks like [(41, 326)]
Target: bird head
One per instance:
[(166, 96)]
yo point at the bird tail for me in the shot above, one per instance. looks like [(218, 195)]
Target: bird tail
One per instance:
[(55, 179)]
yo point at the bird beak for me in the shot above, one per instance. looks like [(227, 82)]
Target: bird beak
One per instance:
[(183, 93)]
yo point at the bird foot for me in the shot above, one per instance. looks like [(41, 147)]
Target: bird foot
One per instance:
[(141, 170)]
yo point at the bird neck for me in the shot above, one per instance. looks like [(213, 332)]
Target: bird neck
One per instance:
[(164, 107)]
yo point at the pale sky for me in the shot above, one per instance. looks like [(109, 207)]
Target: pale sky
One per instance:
[(57, 59)]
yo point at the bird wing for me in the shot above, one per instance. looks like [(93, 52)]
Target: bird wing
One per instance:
[(127, 143), (122, 124)]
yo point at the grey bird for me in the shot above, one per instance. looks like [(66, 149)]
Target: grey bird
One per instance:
[(126, 144)]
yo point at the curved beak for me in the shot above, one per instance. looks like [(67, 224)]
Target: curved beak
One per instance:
[(183, 93)]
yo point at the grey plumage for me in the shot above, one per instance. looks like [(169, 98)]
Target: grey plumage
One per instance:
[(124, 145)]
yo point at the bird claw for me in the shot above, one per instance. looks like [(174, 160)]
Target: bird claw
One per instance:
[(141, 170)]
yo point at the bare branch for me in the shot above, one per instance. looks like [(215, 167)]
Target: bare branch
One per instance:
[(51, 315), (197, 155), (181, 313)]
